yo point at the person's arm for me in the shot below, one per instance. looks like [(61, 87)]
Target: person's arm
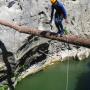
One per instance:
[(63, 9), (52, 12), (64, 13)]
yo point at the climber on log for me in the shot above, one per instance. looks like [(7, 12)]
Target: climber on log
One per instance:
[(72, 39), (60, 14)]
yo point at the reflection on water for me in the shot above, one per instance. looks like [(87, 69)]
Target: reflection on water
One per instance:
[(55, 76)]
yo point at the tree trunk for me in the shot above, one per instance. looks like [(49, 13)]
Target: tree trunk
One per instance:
[(72, 39)]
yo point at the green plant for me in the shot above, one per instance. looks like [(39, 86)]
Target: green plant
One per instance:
[(65, 31), (3, 87)]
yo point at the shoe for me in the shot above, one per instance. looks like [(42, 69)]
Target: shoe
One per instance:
[(60, 34)]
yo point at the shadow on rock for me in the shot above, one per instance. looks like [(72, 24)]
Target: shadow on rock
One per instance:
[(8, 72), (33, 56)]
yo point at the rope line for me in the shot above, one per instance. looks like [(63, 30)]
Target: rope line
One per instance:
[(67, 74)]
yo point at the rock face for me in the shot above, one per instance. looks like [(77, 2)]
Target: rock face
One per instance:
[(34, 12), (79, 13)]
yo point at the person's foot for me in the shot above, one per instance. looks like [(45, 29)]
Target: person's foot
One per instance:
[(60, 34)]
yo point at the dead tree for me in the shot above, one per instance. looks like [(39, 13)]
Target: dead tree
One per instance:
[(72, 39)]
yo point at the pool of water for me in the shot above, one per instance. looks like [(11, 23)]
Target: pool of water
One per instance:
[(55, 77)]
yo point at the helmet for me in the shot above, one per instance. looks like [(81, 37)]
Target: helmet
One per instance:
[(53, 1)]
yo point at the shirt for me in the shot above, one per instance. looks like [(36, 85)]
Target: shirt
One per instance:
[(59, 7)]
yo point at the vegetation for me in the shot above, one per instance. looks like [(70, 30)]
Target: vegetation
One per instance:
[(4, 87), (65, 31)]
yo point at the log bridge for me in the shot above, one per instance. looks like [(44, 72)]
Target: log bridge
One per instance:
[(71, 39)]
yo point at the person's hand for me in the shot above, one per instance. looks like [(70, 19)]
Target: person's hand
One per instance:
[(49, 22)]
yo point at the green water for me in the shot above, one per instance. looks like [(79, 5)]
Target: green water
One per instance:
[(55, 77)]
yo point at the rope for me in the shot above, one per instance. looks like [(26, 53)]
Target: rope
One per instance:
[(67, 75)]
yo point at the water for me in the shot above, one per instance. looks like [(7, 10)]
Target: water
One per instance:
[(55, 77)]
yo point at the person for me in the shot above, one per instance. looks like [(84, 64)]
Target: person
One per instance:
[(60, 14)]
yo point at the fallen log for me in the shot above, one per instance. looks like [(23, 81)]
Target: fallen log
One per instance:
[(72, 39)]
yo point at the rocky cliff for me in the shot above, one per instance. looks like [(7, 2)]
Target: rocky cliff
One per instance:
[(33, 13), (25, 50)]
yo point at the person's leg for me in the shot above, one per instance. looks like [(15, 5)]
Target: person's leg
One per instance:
[(58, 27), (61, 26), (57, 23)]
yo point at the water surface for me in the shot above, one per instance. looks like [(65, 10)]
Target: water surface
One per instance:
[(55, 77)]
